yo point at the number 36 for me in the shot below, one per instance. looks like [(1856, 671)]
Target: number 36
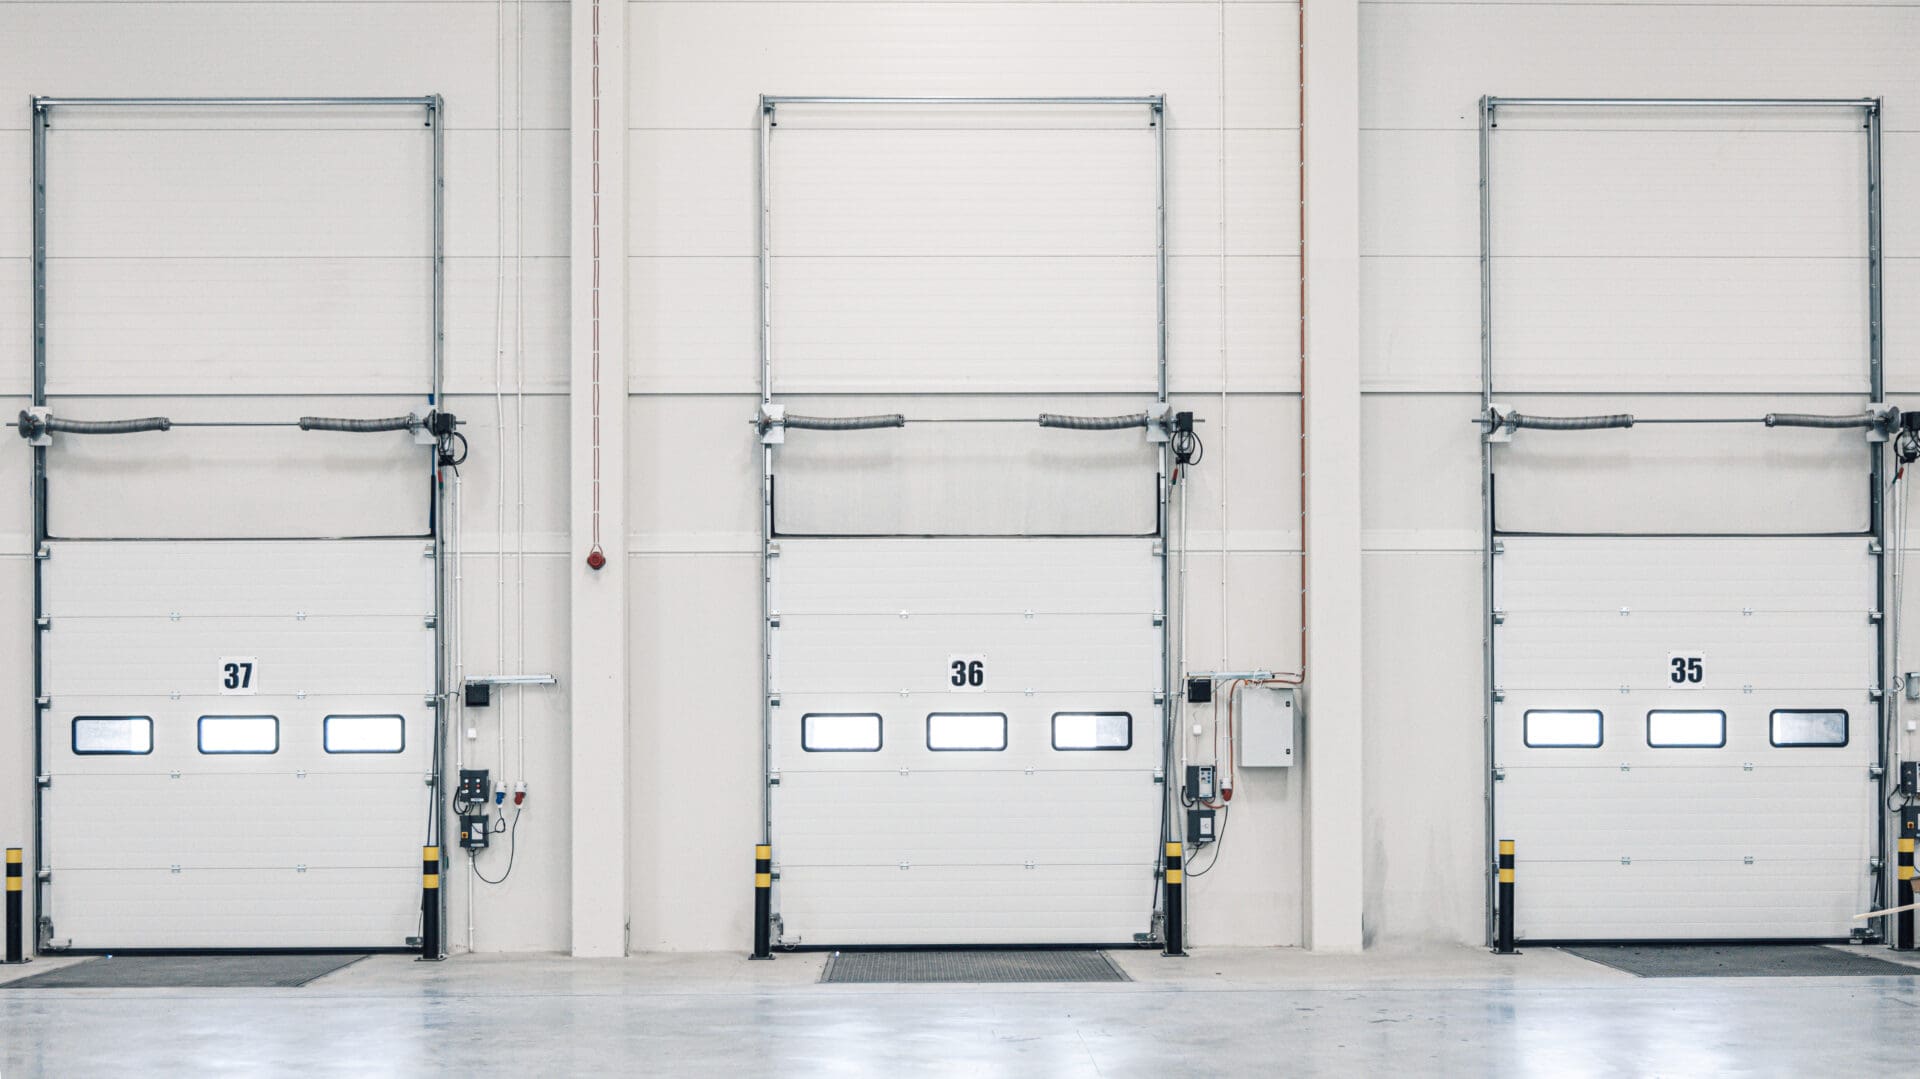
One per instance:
[(969, 673)]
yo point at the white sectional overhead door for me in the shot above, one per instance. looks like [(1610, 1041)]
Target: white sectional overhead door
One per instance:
[(236, 742), (966, 741), (1685, 732)]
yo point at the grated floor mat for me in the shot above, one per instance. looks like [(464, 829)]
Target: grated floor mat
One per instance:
[(1738, 961), (189, 972), (972, 966)]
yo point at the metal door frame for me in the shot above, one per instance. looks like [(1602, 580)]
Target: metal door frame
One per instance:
[(434, 108), (1870, 109), (1155, 106)]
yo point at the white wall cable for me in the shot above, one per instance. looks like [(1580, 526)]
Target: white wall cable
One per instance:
[(520, 380), (499, 370), (1224, 443)]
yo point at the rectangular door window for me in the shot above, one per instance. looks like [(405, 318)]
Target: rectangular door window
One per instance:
[(1547, 728), (239, 734), (1092, 730), (364, 734), (103, 735), (1807, 727), (1697, 729), (827, 732), (967, 731)]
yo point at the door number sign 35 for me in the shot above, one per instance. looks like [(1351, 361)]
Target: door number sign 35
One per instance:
[(968, 672), (1686, 668), (237, 675)]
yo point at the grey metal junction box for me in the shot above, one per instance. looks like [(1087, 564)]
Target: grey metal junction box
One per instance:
[(1268, 715)]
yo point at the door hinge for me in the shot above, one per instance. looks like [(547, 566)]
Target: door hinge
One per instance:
[(45, 779), (44, 622), (773, 779), (1499, 774)]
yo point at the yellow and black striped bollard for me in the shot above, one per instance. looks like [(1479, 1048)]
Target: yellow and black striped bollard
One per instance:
[(14, 913), (1176, 916), (1903, 921), (430, 903), (762, 901), (1505, 944)]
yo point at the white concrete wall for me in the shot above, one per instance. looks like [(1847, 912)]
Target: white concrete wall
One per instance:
[(278, 263), (925, 189), (1775, 328), (1667, 265)]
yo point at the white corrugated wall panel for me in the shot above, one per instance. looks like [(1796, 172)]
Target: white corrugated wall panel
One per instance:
[(907, 844), (180, 848), (1634, 841)]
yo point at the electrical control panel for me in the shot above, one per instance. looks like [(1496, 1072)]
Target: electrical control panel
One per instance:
[(476, 786), (1200, 824), (1202, 784), (475, 830), (1268, 718)]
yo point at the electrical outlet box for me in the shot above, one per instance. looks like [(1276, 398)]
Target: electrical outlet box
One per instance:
[(1202, 785), (479, 694), (1268, 719), (1909, 778), (474, 831), (1199, 691), (474, 789), (1200, 827)]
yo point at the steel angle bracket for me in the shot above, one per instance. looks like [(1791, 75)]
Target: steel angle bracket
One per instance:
[(772, 422), (33, 425), (1499, 430), (1160, 423), (1886, 418)]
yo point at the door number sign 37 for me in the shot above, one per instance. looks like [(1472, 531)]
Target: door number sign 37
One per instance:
[(237, 675), (1686, 668)]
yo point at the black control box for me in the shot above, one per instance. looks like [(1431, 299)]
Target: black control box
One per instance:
[(474, 789), (474, 831), (1200, 827)]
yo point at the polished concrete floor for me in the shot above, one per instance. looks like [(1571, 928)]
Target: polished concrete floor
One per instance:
[(1220, 1012)]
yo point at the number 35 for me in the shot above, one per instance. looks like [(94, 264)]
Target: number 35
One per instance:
[(1687, 669)]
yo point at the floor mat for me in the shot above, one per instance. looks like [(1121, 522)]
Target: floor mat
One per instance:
[(1738, 961), (189, 972), (972, 966)]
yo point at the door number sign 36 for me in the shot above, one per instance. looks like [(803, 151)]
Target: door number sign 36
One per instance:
[(968, 672), (237, 675), (1686, 668)]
